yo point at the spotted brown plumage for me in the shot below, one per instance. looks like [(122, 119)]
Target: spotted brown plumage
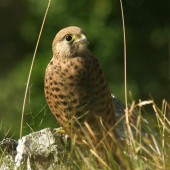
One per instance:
[(75, 88)]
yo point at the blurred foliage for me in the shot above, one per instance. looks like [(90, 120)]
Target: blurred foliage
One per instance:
[(147, 35)]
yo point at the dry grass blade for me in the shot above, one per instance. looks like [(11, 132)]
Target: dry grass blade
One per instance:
[(140, 104), (100, 159), (124, 40), (29, 76), (85, 159)]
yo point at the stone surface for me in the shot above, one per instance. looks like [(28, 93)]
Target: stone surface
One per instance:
[(8, 149), (42, 149)]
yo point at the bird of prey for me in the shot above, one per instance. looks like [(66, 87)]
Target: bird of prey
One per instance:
[(76, 89)]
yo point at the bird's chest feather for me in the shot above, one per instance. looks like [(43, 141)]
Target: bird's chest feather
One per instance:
[(71, 82)]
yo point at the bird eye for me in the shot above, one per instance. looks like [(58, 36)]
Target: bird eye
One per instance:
[(69, 37)]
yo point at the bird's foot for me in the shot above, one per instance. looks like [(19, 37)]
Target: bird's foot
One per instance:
[(60, 130)]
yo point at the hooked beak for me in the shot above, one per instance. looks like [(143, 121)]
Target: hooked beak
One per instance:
[(82, 39)]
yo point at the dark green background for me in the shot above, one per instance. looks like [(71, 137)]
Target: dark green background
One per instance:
[(148, 52)]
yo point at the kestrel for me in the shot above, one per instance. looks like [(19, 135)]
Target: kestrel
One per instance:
[(76, 89)]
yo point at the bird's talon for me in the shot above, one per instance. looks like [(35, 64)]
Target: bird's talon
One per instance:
[(60, 131)]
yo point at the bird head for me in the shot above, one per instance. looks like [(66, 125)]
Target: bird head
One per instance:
[(70, 42)]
